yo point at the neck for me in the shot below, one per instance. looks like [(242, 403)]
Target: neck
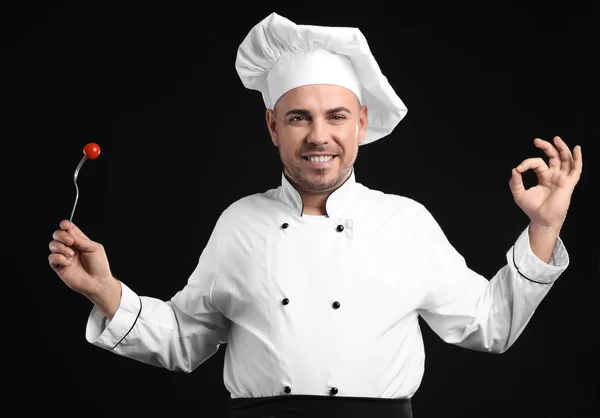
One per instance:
[(314, 203)]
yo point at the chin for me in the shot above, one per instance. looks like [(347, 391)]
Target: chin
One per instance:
[(316, 180), (322, 183)]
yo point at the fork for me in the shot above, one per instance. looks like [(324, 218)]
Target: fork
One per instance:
[(75, 175)]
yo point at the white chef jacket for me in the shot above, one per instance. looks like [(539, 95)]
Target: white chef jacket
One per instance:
[(308, 303)]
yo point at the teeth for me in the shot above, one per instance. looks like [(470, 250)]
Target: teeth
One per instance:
[(321, 158)]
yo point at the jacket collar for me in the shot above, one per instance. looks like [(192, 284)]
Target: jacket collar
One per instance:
[(336, 206)]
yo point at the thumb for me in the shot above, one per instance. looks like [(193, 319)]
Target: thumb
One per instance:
[(516, 184), (80, 240), (71, 228)]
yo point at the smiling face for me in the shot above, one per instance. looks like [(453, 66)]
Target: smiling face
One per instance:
[(318, 129)]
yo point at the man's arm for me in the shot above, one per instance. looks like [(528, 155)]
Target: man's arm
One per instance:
[(543, 241)]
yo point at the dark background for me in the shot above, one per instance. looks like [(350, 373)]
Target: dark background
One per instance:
[(181, 138)]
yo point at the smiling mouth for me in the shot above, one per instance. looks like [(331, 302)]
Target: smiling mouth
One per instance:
[(319, 159)]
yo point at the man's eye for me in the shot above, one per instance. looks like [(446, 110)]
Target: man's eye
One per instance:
[(337, 117), (296, 118)]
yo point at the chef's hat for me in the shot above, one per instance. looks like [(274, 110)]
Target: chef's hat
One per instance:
[(278, 55)]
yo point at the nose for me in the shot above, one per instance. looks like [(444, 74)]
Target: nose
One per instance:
[(319, 134)]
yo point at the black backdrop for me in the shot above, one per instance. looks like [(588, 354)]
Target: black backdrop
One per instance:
[(181, 139)]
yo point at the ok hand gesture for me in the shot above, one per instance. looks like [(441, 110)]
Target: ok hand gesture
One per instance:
[(546, 204)]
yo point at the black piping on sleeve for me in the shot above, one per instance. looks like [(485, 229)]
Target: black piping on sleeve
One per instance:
[(133, 325), (519, 271)]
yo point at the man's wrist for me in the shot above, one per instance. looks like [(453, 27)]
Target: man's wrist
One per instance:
[(542, 240), (108, 297)]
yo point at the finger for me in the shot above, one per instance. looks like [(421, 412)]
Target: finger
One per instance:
[(577, 162), (566, 158), (58, 261), (537, 164), (63, 237), (551, 151), (516, 184), (58, 247)]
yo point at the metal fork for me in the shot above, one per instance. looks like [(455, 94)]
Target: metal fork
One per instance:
[(75, 175)]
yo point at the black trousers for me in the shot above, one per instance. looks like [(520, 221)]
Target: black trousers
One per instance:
[(313, 406)]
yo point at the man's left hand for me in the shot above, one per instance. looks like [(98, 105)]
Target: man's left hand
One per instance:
[(546, 204)]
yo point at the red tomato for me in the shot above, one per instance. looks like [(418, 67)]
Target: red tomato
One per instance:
[(92, 150)]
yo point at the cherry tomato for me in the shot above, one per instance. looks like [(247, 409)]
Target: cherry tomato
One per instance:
[(92, 150)]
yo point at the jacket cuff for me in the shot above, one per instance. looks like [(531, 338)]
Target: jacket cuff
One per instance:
[(109, 335), (529, 266)]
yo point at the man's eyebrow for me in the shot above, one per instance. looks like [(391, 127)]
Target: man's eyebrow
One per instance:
[(338, 110), (302, 112), (306, 113)]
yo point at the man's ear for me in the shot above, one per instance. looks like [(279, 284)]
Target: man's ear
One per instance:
[(272, 126), (363, 118)]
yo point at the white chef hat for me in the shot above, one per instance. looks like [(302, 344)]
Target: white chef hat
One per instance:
[(278, 55)]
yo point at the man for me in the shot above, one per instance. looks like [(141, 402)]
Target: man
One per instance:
[(317, 285)]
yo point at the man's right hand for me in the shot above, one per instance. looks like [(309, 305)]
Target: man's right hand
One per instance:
[(83, 266)]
